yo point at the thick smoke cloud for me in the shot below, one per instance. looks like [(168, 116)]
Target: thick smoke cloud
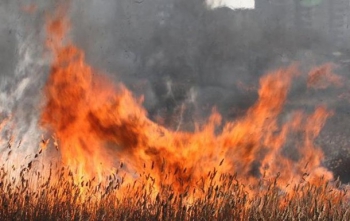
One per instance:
[(171, 51), (183, 57), (167, 49)]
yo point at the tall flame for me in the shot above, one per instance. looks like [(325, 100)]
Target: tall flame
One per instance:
[(100, 125)]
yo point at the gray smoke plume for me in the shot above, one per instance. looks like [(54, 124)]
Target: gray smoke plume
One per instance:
[(184, 57), (22, 76)]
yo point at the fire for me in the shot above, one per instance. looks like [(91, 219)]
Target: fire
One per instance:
[(100, 126), (323, 77)]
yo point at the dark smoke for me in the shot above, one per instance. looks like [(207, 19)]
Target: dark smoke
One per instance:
[(186, 58), (162, 49)]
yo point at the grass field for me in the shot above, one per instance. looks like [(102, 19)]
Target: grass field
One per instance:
[(59, 195)]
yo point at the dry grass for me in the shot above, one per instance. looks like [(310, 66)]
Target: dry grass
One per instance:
[(60, 197)]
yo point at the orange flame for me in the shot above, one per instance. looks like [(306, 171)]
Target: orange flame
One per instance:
[(322, 77), (99, 125)]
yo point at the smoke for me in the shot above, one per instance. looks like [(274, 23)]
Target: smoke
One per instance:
[(182, 56), (22, 75), (164, 49), (157, 47)]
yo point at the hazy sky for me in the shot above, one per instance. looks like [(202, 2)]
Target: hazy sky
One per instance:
[(232, 3)]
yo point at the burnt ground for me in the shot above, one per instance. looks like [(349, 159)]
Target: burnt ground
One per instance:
[(335, 141), (335, 136)]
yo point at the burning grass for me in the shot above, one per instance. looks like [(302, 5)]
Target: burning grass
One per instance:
[(221, 171), (58, 195)]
